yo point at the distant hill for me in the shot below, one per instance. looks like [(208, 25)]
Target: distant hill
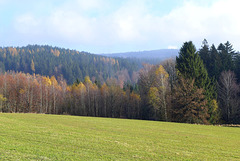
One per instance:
[(59, 62), (72, 65), (152, 54)]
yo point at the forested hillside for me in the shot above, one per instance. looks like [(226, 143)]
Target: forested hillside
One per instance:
[(71, 64), (150, 57)]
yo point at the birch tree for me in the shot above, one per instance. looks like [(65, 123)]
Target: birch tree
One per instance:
[(228, 94)]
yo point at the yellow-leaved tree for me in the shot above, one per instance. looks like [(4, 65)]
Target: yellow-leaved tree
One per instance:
[(158, 94), (2, 99)]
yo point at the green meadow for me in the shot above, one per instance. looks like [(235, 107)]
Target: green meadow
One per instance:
[(63, 137)]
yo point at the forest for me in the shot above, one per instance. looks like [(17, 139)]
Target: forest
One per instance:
[(69, 64), (197, 87)]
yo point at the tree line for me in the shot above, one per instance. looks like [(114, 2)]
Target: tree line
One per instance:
[(20, 92), (223, 65), (196, 87)]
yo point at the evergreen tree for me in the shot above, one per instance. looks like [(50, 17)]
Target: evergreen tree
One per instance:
[(215, 64), (226, 57), (237, 67), (190, 66), (229, 49), (189, 102), (204, 53)]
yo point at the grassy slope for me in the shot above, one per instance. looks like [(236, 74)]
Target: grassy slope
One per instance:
[(53, 137)]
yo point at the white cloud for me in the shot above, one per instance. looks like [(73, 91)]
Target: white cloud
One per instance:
[(132, 25), (27, 23), (172, 47), (217, 23), (71, 26)]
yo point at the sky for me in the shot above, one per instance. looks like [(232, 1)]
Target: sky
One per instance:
[(110, 26)]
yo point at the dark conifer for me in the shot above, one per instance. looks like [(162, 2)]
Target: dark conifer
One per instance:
[(190, 66), (204, 53)]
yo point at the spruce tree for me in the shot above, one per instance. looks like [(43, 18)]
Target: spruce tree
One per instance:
[(190, 66), (204, 53), (229, 49), (215, 64), (237, 67), (226, 55)]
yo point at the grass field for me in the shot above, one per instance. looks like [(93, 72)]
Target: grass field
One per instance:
[(56, 137)]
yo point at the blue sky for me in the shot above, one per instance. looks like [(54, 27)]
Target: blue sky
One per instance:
[(108, 26)]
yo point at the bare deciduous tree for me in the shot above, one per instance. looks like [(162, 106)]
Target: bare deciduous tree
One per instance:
[(228, 91)]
